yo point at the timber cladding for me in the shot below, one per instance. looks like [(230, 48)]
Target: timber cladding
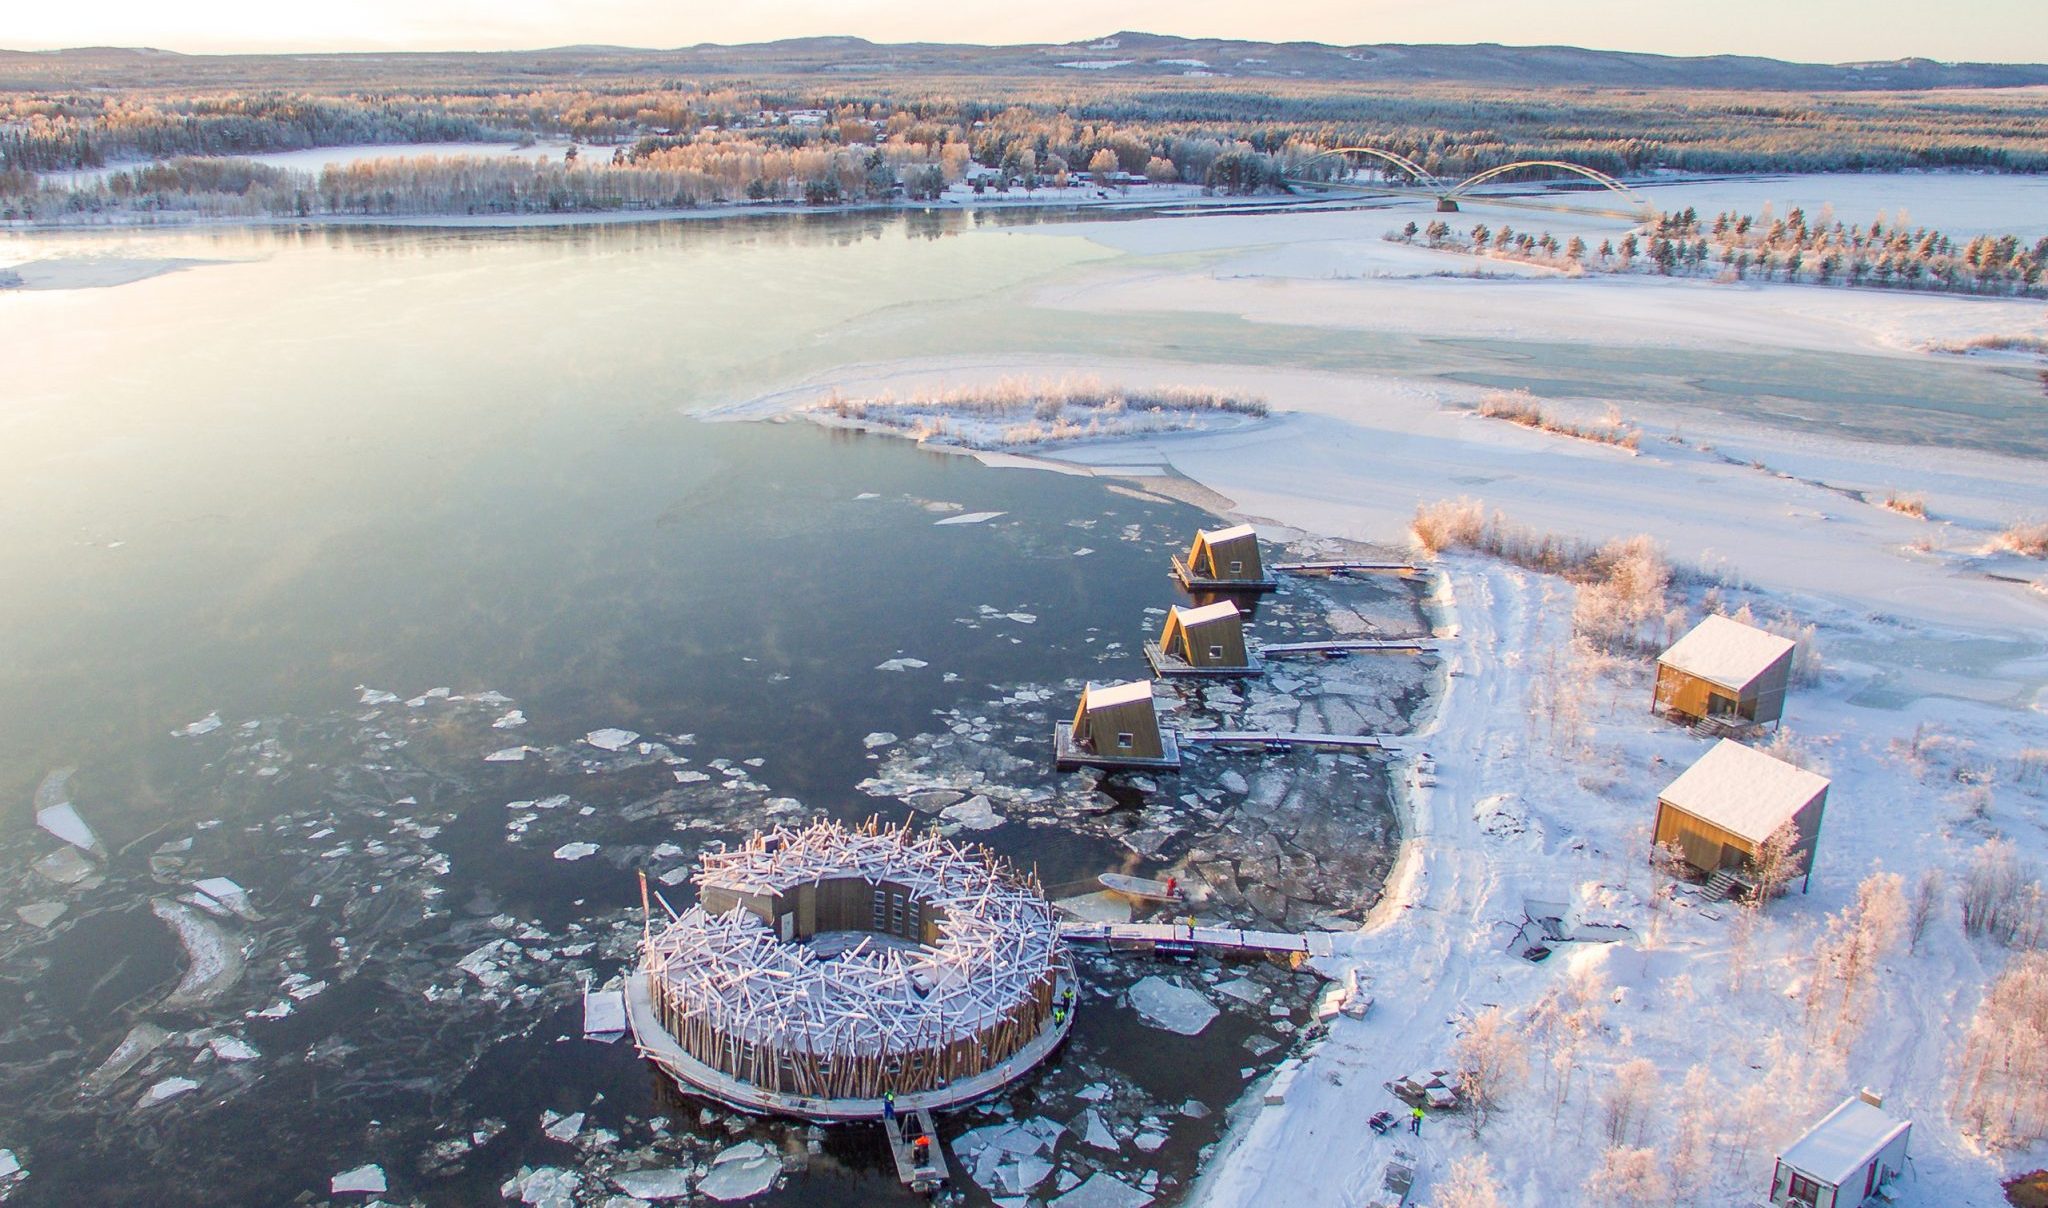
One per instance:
[(1710, 848), (1125, 727), (1227, 554)]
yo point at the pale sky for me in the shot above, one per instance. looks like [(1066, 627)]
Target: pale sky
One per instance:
[(1807, 30)]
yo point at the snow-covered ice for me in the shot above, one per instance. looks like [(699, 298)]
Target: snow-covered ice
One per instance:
[(363, 1180), (610, 739), (653, 1185), (740, 1172), (970, 518), (575, 851), (205, 725), (1102, 1191), (1175, 1008), (166, 1090)]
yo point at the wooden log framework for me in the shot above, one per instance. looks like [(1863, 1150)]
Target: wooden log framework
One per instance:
[(879, 1016)]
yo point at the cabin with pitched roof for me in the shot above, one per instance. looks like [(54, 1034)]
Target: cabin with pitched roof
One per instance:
[(1225, 559), (1723, 669), (1115, 726), (1847, 1160), (1721, 810), (1205, 641)]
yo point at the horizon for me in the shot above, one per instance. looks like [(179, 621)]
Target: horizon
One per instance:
[(1822, 32)]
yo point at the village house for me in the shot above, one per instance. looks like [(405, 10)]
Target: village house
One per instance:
[(1205, 641), (1225, 559), (1846, 1160), (1115, 726), (1726, 671), (1719, 813)]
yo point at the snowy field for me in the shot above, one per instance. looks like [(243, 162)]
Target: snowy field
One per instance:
[(317, 159)]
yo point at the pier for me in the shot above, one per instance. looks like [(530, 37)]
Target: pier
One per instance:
[(1345, 568), (1343, 647), (923, 1177), (1275, 740), (1188, 937)]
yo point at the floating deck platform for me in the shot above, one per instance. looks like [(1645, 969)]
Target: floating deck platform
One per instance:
[(1350, 646), (1194, 582), (1166, 665), (1274, 740), (924, 1177), (1309, 944), (1345, 568), (1067, 755)]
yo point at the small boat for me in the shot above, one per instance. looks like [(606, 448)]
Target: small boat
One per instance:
[(1141, 887)]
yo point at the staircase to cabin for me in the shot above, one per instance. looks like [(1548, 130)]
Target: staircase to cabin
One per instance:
[(1720, 886)]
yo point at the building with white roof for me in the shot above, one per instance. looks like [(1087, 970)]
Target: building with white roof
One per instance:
[(1725, 669), (1723, 808), (1115, 726), (1845, 1160)]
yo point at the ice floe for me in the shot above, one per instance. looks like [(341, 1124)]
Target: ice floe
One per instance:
[(507, 755), (205, 725), (142, 1040), (1175, 1008), (231, 896), (363, 1180), (610, 739), (975, 813), (56, 814), (901, 664), (65, 866), (230, 1048), (511, 720), (165, 1091), (880, 738), (543, 1187), (559, 1127), (653, 1185), (740, 1172), (575, 851), (970, 518), (1008, 1159), (41, 914), (213, 960), (1102, 1191)]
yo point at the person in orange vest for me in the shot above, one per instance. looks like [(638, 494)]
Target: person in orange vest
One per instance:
[(1172, 887), (921, 1149)]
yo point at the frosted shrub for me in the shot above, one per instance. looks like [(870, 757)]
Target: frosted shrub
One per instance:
[(2027, 538), (1470, 1184), (1490, 1063), (1628, 1177), (2001, 1079), (2002, 897)]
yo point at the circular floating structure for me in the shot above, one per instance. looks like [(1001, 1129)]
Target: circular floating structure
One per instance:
[(825, 966)]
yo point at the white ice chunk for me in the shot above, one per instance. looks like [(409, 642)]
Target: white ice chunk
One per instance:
[(1101, 1191), (880, 738), (41, 914), (63, 821), (975, 813), (511, 720), (165, 1091), (901, 664), (564, 1128), (609, 739), (1023, 618), (654, 1185), (575, 851), (228, 894), (740, 1172), (373, 696), (1175, 1008), (970, 518), (1095, 1134), (543, 1187), (691, 776), (1083, 552), (363, 1180), (508, 755), (205, 725), (9, 1164), (229, 1048)]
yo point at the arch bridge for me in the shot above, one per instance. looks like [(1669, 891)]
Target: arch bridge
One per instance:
[(1448, 193)]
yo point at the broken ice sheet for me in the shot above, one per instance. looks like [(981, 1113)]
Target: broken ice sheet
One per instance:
[(205, 725), (880, 738), (653, 1185), (1102, 1191), (575, 851), (611, 739), (507, 755), (901, 664), (1175, 1008), (970, 518), (165, 1091), (740, 1172), (363, 1180), (509, 721)]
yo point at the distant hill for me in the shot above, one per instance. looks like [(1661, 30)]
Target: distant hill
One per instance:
[(1125, 56)]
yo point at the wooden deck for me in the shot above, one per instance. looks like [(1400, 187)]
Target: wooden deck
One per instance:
[(1194, 582), (928, 1176), (1272, 739), (1230, 939), (1345, 568), (1066, 756), (1172, 666), (1349, 646)]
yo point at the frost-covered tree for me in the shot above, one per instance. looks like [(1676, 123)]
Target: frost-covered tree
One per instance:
[(1491, 1062), (1470, 1184)]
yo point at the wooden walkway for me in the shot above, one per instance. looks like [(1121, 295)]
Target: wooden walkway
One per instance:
[(1347, 646), (1260, 738), (1341, 568), (922, 1177), (1181, 935)]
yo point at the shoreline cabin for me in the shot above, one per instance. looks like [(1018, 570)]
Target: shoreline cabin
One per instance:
[(1724, 670), (1723, 808), (1202, 641), (1116, 725), (1845, 1161), (1225, 559)]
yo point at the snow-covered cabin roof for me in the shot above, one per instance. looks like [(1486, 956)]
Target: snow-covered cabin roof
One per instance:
[(1206, 613), (1844, 1141), (1743, 791), (1725, 652), (1117, 694), (1215, 536)]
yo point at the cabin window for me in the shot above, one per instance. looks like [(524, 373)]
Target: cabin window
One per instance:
[(1719, 705), (1125, 740), (881, 909), (1803, 1189), (1215, 652), (1237, 567)]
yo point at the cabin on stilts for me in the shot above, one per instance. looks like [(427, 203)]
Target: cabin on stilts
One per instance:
[(1205, 641), (1116, 726), (1724, 671), (1853, 1157), (1225, 559), (1721, 811)]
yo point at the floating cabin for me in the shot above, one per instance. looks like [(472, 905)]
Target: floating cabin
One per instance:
[(1205, 641), (1116, 726), (1846, 1161), (1725, 671), (1720, 811), (824, 967), (1225, 559)]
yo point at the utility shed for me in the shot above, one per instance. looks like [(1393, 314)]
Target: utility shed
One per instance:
[(1720, 810), (1845, 1160), (1225, 558), (1202, 641), (1724, 669), (1115, 726)]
